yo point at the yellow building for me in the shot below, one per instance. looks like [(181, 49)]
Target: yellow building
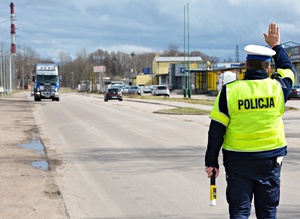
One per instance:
[(160, 73), (161, 66), (181, 73), (202, 79)]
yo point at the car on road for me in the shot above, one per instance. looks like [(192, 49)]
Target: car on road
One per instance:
[(120, 86), (295, 91), (113, 93), (134, 89), (162, 90)]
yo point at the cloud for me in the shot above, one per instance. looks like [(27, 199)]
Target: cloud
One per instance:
[(216, 27), (127, 48)]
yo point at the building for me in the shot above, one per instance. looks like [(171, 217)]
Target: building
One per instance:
[(160, 72), (161, 67), (190, 73)]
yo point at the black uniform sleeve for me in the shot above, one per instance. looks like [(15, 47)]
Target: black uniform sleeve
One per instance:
[(286, 85), (215, 141), (216, 134), (283, 61)]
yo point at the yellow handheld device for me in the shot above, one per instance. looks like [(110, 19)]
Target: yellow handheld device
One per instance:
[(213, 190)]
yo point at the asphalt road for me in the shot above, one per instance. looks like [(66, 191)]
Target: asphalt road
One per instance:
[(121, 160)]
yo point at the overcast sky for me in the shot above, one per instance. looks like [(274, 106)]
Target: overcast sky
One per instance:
[(216, 27)]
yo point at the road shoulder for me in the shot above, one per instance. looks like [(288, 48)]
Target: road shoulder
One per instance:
[(26, 191)]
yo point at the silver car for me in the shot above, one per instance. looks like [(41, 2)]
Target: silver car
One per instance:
[(153, 87), (162, 90), (126, 89), (147, 89), (134, 89)]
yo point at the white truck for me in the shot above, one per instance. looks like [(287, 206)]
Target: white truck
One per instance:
[(46, 81)]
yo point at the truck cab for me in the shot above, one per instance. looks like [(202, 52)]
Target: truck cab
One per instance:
[(46, 82)]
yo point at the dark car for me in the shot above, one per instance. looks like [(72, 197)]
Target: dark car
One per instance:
[(295, 91), (113, 94)]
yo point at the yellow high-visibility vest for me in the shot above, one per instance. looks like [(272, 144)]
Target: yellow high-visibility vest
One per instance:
[(255, 109)]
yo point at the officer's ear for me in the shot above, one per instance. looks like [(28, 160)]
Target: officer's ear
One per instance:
[(269, 68)]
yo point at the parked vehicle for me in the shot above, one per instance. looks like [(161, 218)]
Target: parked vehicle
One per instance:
[(134, 89), (295, 92), (126, 89), (153, 89), (113, 94), (225, 78), (162, 90), (147, 89)]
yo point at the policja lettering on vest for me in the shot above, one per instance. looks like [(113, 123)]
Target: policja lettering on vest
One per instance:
[(256, 103)]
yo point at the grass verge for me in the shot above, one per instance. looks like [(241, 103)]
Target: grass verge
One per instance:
[(183, 111), (185, 100)]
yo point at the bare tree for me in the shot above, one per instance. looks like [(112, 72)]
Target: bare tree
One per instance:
[(118, 64), (172, 50), (65, 69), (204, 56), (144, 60), (24, 62), (82, 67)]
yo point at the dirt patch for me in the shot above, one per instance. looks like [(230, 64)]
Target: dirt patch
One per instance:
[(26, 191)]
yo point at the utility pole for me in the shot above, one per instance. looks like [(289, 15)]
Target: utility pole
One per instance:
[(184, 64), (133, 68), (13, 43), (186, 67), (188, 32)]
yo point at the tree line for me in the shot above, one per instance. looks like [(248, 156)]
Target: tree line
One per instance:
[(118, 65)]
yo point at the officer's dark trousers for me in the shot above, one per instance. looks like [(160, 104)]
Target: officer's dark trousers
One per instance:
[(252, 178)]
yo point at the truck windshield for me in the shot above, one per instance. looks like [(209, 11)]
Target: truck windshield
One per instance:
[(47, 78)]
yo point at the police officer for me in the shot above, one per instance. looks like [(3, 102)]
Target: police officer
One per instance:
[(246, 121)]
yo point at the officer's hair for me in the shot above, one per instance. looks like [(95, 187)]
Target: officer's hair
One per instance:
[(257, 64)]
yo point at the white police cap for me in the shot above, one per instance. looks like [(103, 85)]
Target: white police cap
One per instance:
[(261, 53)]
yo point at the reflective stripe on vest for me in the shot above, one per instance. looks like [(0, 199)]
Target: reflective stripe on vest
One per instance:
[(234, 141), (216, 114), (286, 73)]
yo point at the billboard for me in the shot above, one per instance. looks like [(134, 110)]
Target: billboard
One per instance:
[(99, 69)]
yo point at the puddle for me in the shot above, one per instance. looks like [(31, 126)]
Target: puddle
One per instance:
[(40, 164), (36, 145)]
